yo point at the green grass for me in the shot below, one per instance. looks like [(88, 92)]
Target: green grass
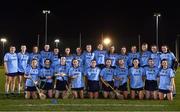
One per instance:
[(19, 103)]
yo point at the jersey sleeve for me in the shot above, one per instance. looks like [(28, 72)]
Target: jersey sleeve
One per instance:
[(129, 72), (102, 72), (143, 72), (40, 72), (6, 58), (69, 72), (27, 71), (171, 73), (173, 56)]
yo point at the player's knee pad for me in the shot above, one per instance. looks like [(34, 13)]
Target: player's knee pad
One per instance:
[(112, 95), (57, 94), (27, 96), (34, 96)]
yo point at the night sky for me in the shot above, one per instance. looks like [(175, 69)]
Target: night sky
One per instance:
[(21, 22)]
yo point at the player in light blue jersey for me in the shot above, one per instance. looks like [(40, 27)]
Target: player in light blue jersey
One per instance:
[(155, 55), (145, 55), (136, 76), (46, 77), (121, 77), (166, 81), (76, 76), (79, 56), (133, 54), (69, 57), (61, 80), (151, 74), (11, 69), (55, 58), (92, 75), (124, 56), (100, 55), (113, 56), (169, 56), (32, 78), (35, 55), (88, 56), (23, 58), (172, 61), (107, 75), (45, 54)]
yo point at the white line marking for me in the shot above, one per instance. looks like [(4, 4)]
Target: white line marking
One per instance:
[(89, 105)]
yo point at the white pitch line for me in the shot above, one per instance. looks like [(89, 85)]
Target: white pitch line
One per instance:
[(89, 105)]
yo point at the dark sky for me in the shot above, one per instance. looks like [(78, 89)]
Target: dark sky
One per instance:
[(123, 21)]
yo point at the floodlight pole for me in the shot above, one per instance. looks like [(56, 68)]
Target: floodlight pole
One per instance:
[(46, 12), (157, 15)]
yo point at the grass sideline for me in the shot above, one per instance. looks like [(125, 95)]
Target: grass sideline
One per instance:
[(20, 104)]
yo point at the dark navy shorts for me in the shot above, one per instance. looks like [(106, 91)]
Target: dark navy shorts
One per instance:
[(20, 73), (46, 86), (61, 85), (122, 87), (151, 85), (77, 89), (93, 86), (107, 89), (164, 91), (31, 89), (11, 74), (137, 89)]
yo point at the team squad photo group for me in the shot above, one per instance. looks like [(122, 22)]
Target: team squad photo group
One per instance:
[(93, 74)]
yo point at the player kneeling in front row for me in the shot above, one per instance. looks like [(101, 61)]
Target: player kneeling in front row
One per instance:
[(61, 79), (76, 79), (151, 73), (107, 74), (92, 75), (136, 76), (46, 74), (121, 77), (166, 81), (31, 75)]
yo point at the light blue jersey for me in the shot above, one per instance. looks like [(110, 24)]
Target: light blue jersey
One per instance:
[(12, 62), (61, 69), (33, 73), (45, 55), (55, 60), (100, 56), (45, 72), (69, 60), (151, 73), (169, 56), (93, 73), (80, 58), (125, 58), (36, 56), (156, 59), (22, 61), (107, 74), (88, 57), (144, 58), (114, 58), (121, 73), (136, 77), (77, 73), (131, 56), (165, 76)]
